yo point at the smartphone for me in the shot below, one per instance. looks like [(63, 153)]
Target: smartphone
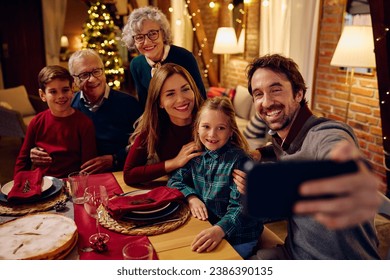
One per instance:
[(272, 188)]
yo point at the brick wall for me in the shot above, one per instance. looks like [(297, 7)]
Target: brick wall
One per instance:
[(331, 90), (234, 71)]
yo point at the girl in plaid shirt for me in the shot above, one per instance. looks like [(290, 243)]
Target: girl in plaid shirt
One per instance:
[(207, 183)]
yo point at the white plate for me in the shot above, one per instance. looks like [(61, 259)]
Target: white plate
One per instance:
[(148, 211), (46, 184)]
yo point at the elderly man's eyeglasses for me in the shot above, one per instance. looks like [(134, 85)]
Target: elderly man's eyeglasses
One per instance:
[(86, 75), (152, 35)]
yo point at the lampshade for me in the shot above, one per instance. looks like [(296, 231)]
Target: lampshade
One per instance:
[(64, 41), (355, 48), (225, 41)]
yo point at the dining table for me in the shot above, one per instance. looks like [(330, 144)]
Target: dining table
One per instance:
[(176, 244), (172, 244)]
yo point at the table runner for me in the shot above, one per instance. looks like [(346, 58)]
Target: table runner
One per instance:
[(87, 225)]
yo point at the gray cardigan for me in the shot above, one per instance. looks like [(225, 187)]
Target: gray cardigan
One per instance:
[(308, 239)]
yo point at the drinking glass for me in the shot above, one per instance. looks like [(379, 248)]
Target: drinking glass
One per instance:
[(138, 251), (78, 182), (94, 196)]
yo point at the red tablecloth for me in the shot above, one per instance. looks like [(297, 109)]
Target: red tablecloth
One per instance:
[(86, 225)]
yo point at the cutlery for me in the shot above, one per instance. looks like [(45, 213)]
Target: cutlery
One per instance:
[(123, 194), (154, 223)]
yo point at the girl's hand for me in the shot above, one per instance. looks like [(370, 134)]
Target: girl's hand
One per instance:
[(208, 239), (197, 207)]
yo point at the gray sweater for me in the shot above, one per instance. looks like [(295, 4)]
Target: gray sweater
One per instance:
[(307, 239)]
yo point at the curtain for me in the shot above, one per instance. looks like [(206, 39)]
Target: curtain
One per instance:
[(54, 12), (181, 25), (289, 27)]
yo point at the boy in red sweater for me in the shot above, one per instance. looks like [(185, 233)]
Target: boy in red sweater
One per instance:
[(62, 131)]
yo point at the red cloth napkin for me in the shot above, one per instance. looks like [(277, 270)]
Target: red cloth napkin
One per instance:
[(159, 196), (27, 186), (86, 225)]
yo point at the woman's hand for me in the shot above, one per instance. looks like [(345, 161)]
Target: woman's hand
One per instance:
[(197, 207), (239, 177), (208, 239), (40, 157), (357, 198), (187, 152)]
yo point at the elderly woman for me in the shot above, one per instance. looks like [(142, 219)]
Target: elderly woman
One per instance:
[(148, 31)]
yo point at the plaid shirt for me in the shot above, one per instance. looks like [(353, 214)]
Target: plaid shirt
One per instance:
[(209, 177)]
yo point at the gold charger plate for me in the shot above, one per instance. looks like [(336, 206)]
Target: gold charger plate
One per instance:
[(132, 227)]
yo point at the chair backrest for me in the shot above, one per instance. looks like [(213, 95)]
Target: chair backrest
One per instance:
[(11, 123), (17, 98), (243, 103)]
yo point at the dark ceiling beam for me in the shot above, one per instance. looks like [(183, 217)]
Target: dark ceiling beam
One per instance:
[(380, 17)]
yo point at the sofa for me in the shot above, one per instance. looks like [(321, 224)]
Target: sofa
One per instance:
[(16, 110)]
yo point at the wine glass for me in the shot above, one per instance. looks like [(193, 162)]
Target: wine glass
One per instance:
[(94, 196)]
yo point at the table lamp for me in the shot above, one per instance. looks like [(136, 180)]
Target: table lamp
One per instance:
[(225, 43), (355, 49)]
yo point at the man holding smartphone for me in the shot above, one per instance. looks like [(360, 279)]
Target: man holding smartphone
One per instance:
[(337, 228)]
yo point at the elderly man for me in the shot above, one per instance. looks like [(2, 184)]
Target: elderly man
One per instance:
[(278, 92), (112, 112)]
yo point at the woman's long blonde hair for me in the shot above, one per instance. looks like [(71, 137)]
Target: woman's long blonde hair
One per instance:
[(224, 105), (153, 117)]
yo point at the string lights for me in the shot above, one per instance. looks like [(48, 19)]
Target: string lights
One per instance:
[(197, 25), (378, 39)]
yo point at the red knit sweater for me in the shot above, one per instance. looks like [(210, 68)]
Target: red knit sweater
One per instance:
[(70, 141)]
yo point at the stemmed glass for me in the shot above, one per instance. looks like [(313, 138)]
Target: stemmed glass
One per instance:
[(94, 196)]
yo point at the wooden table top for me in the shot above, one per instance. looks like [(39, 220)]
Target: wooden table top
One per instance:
[(176, 245)]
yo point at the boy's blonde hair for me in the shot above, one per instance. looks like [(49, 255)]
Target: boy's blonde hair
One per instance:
[(224, 105)]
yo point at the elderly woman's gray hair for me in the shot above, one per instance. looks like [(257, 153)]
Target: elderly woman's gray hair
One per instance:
[(136, 20)]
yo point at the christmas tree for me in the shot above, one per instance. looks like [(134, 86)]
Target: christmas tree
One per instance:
[(100, 34)]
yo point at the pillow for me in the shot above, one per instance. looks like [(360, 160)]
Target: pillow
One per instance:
[(243, 103), (220, 91), (255, 129), (18, 99), (5, 105)]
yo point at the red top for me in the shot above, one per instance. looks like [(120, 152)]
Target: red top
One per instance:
[(138, 170), (70, 141)]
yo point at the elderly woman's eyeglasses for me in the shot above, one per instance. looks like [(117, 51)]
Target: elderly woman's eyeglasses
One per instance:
[(152, 35), (86, 75)]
